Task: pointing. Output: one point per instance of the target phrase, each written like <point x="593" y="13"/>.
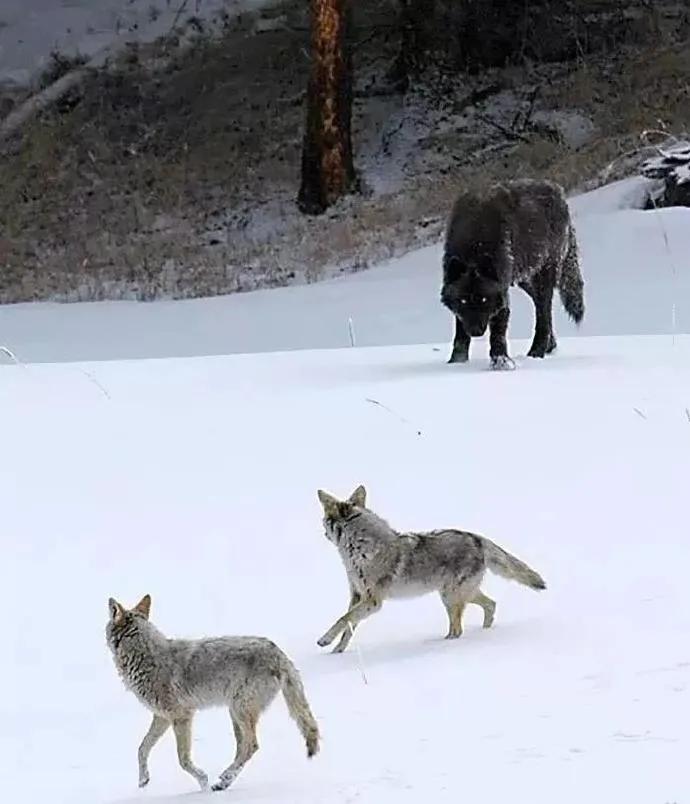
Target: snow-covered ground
<point x="30" y="30"/>
<point x="195" y="479"/>
<point x="635" y="265"/>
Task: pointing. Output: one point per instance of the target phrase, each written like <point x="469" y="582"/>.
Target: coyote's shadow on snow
<point x="363" y="658"/>
<point x="253" y="792"/>
<point x="190" y="797"/>
<point x="268" y="790"/>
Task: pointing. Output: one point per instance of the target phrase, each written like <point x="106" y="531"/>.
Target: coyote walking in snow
<point x="382" y="563"/>
<point x="175" y="677"/>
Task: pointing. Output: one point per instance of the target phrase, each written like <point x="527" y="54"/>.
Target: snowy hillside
<point x="195" y="479"/>
<point x="30" y="30"/>
<point x="635" y="266"/>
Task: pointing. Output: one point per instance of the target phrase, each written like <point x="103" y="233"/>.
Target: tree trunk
<point x="328" y="171"/>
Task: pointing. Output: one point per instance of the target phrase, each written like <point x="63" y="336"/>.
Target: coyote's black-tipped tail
<point x="570" y="281"/>
<point x="298" y="707"/>
<point x="502" y="563"/>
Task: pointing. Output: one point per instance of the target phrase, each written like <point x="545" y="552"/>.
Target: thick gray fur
<point x="516" y="233"/>
<point x="174" y="678"/>
<point x="382" y="563"/>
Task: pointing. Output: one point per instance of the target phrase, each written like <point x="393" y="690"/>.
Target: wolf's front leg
<point x="498" y="344"/>
<point x="365" y="608"/>
<point x="159" y="725"/>
<point x="461" y="344"/>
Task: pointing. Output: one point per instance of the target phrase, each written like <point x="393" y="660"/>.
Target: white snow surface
<point x="634" y="262"/>
<point x="194" y="480"/>
<point x="30" y="30"/>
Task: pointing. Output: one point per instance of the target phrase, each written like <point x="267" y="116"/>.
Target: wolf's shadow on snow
<point x="438" y="368"/>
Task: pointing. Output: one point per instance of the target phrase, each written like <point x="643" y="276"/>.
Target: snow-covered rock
<point x="671" y="167"/>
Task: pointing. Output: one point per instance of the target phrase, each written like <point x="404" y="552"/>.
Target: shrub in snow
<point x="671" y="167"/>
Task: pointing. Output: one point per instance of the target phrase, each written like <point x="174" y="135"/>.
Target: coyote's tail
<point x="570" y="282"/>
<point x="502" y="563"/>
<point x="298" y="706"/>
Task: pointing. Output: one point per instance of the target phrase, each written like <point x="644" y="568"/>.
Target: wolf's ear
<point x="143" y="607"/>
<point x="117" y="612"/>
<point x="359" y="497"/>
<point x="331" y="506"/>
<point x="454" y="267"/>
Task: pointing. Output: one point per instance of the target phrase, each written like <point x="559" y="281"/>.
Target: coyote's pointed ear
<point x="331" y="506"/>
<point x="359" y="497"/>
<point x="143" y="607"/>
<point x="117" y="612"/>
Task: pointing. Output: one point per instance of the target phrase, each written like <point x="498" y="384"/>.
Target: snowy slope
<point x="31" y="29"/>
<point x="185" y="479"/>
<point x="635" y="265"/>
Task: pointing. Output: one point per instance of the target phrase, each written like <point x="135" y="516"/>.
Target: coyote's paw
<point x="325" y="641"/>
<point x="502" y="363"/>
<point x="224" y="781"/>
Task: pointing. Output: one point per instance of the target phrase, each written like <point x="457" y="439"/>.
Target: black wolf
<point x="517" y="233"/>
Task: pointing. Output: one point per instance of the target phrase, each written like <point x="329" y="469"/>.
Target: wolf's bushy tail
<point x="502" y="563"/>
<point x="298" y="706"/>
<point x="570" y="281"/>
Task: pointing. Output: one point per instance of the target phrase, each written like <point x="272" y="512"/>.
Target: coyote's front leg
<point x="355" y="597"/>
<point x="349" y="621"/>
<point x="159" y="725"/>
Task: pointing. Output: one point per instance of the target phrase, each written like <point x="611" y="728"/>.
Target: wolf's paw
<point x="144" y="780"/>
<point x="502" y="363"/>
<point x="539" y="350"/>
<point x="325" y="641"/>
<point x="458" y="357"/>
